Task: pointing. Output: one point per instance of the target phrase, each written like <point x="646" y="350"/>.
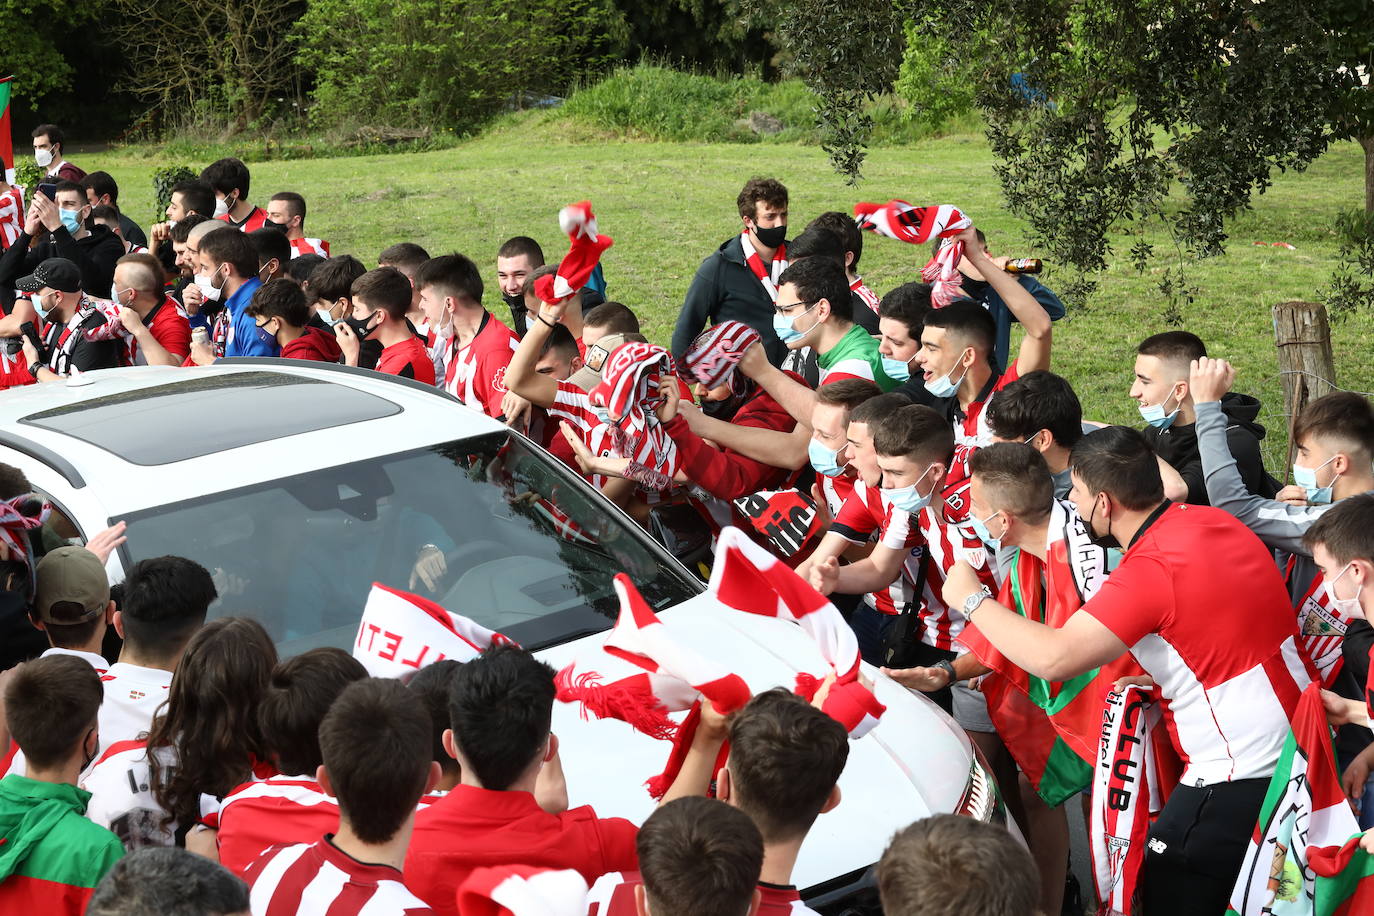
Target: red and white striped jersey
<point x="942" y="545"/>
<point x="869" y="297"/>
<point x="319" y="879"/>
<point x="864" y="517"/>
<point x="971" y="432"/>
<point x="836" y="489"/>
<point x="476" y="373"/>
<point x="11" y="216"/>
<point x="309" y="246"/>
<point x="614" y="895"/>
<point x="1220" y="639"/>
<point x="276" y="811"/>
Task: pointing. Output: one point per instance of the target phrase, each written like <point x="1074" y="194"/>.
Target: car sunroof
<point x="165" y="424"/>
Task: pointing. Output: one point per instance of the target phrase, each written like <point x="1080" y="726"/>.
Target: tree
<point x="33" y="41"/>
<point x="1097" y="110"/>
<point x="224" y="61"/>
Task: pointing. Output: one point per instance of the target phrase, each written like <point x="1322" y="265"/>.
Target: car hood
<point x="914" y="763"/>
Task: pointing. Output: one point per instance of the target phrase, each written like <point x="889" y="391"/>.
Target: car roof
<point x="146" y="436"/>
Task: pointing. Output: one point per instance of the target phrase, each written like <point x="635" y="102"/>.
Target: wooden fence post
<point x="1306" y="366"/>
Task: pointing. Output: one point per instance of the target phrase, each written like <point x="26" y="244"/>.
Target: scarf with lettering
<point x="914" y="225"/>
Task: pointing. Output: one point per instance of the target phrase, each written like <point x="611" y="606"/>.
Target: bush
<point x="653" y="102"/>
<point x="449" y="63"/>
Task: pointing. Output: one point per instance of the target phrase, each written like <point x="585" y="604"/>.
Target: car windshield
<point x="489" y="527"/>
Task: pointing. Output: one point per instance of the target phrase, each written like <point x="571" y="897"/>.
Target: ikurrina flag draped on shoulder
<point x="1304" y="855"/>
<point x="400" y="633"/>
<point x="905" y="222"/>
<point x="643" y="672"/>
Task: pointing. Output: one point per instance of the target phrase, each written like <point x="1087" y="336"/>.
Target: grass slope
<point x="669" y="204"/>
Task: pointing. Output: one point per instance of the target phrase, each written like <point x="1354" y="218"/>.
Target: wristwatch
<point x="947" y="667"/>
<point x="972" y="601"/>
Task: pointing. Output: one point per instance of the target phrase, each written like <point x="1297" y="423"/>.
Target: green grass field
<point x="669" y="204"/>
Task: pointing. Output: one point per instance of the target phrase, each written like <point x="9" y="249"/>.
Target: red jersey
<point x="408" y="359"/>
<point x="320" y="879"/>
<point x="275" y="811"/>
<point x="251" y="223"/>
<point x="727" y="474"/>
<point x="837" y="489"/>
<point x="1219" y="639"/>
<point x="316" y="345"/>
<point x="309" y="246"/>
<point x="474" y="828"/>
<point x="476" y="373"/>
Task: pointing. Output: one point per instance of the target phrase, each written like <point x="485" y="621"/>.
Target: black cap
<point x="54" y="273"/>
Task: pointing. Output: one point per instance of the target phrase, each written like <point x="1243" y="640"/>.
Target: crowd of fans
<point x="941" y="485"/>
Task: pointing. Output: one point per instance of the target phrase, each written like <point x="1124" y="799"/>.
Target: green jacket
<point x="51" y="857"/>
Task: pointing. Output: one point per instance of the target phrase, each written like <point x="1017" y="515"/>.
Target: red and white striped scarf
<point x="641" y="673"/>
<point x="900" y="220"/>
<point x="11" y="216"/>
<point x="748" y="578"/>
<point x="579" y="223"/>
<point x="768" y="276"/>
<point x="635" y="378"/>
<point x="19" y="516"/>
<point x="519" y="890"/>
<point x="401" y="633"/>
<point x="713" y="356"/>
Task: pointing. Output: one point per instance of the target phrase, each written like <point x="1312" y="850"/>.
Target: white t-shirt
<point x="133" y="695"/>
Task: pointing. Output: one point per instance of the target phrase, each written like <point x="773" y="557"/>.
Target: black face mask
<point x="771" y="238"/>
<point x="273" y="224"/>
<point x="361" y="326"/>
<point x="1106" y="541"/>
<point x="518" y="311"/>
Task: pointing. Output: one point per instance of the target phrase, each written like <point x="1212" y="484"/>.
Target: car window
<point x="58" y="531"/>
<point x="527" y="548"/>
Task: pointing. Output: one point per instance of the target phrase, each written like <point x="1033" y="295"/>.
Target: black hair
<point x="102" y="183"/>
<point x="1118" y="461"/>
<point x="271" y="243"/>
<point x="1037" y="400"/>
<point x="196" y="196"/>
<point x="454" y="274"/>
<point x="968" y="321"/>
<point x="821" y="278"/>
<point x="226" y="175"/>
<point x="500" y="708"/>
<point x="165" y="600"/>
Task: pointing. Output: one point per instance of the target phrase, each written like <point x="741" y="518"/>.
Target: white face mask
<point x="221" y="206"/>
<point x="325" y="316"/>
<point x="1347" y="607"/>
<point x="43" y="157"/>
<point x="206" y="282"/>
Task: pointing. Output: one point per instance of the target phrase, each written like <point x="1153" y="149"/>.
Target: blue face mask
<point x="1154" y="415"/>
<point x="942" y="387"/>
<point x="980" y="528"/>
<point x="1307" y="479"/>
<point x="896" y="369"/>
<point x="782" y="326"/>
<point x="71" y="220"/>
<point x="824" y="460"/>
<point x="906" y="498"/>
<point x="39" y="307"/>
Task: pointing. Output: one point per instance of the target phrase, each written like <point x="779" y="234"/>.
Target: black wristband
<point x="545" y="320"/>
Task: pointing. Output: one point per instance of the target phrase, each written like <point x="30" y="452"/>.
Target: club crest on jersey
<point x="498" y="379"/>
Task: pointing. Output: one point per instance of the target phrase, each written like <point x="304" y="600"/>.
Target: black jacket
<point x="725" y="289"/>
<point x="95" y="256"/>
<point x="1178" y="446"/>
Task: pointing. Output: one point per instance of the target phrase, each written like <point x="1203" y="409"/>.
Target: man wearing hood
<point x="51" y="856"/>
<point x="1162" y="389"/>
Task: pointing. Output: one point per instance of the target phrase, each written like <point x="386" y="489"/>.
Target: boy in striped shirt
<point x="376" y="746"/>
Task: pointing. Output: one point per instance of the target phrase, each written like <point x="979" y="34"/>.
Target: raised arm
<point x="521" y="377"/>
<point x="1035" y="321"/>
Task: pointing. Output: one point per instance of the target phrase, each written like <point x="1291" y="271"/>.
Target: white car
<point x="300" y="484"/>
